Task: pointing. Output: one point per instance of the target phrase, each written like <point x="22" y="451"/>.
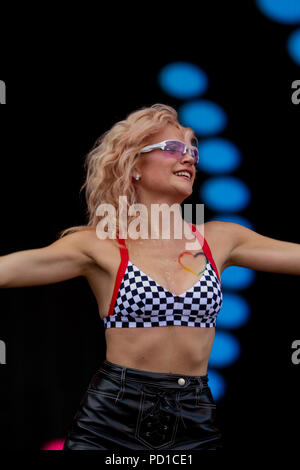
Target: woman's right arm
<point x="64" y="259"/>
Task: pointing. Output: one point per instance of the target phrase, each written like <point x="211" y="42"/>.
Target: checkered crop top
<point x="138" y="301"/>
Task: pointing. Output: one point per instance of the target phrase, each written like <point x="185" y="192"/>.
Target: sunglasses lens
<point x="195" y="154"/>
<point x="174" y="146"/>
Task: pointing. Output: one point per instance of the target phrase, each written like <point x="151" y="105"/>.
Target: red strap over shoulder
<point x="120" y="274"/>
<point x="205" y="248"/>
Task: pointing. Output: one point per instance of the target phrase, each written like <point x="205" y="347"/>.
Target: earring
<point x="137" y="177"/>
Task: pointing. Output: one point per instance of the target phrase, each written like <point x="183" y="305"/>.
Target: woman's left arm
<point x="249" y="249"/>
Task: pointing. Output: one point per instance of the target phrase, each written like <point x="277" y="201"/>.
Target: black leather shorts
<point x="126" y="408"/>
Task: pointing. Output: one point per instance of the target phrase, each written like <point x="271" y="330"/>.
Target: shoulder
<point x="230" y="237"/>
<point x="84" y="235"/>
<point x="78" y="238"/>
<point x="215" y="229"/>
<point x="222" y="238"/>
<point x="230" y="230"/>
<point x="86" y="242"/>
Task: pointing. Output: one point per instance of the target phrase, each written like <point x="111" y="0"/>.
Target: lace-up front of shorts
<point x="127" y="408"/>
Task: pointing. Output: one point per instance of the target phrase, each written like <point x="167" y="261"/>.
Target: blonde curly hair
<point x="110" y="162"/>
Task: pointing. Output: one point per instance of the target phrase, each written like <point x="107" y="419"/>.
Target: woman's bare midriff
<point x="167" y="349"/>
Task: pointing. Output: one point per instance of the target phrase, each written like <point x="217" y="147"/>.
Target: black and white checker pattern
<point x="141" y="302"/>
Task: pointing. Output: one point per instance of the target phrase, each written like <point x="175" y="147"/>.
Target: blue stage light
<point x="293" y="46"/>
<point x="218" y="155"/>
<point x="282" y="11"/>
<point x="225" y="194"/>
<point x="183" y="80"/>
<point x="226" y="350"/>
<point x="237" y="219"/>
<point x="235" y="311"/>
<point x="217" y="384"/>
<point x="236" y="277"/>
<point x="204" y="116"/>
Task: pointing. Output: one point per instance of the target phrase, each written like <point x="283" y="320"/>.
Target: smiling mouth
<point x="184" y="177"/>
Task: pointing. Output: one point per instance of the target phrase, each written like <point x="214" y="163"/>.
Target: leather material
<point x="126" y="408"/>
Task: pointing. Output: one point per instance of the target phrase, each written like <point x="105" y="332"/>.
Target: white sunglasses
<point x="175" y="146"/>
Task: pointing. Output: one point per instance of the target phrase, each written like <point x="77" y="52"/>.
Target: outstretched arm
<point x="249" y="249"/>
<point x="64" y="259"/>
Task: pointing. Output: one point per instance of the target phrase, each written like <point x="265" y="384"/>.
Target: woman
<point x="158" y="300"/>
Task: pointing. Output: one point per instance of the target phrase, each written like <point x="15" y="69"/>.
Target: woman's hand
<point x="64" y="259"/>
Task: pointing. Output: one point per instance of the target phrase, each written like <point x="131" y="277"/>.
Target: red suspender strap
<point x="205" y="248"/>
<point x="120" y="274"/>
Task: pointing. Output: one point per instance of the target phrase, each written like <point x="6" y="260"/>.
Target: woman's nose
<point x="187" y="157"/>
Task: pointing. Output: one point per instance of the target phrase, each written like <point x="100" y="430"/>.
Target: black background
<point x="69" y="79"/>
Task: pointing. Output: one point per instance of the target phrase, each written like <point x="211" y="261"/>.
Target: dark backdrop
<point x="66" y="85"/>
